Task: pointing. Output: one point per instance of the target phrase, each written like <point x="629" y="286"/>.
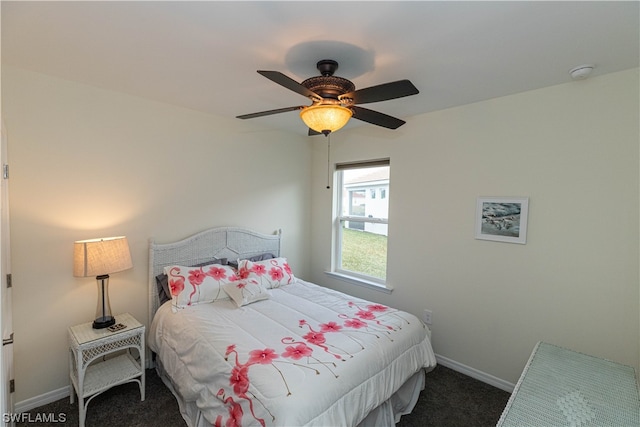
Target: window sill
<point x="360" y="282"/>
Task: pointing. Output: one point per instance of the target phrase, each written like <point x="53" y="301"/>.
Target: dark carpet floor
<point x="450" y="399"/>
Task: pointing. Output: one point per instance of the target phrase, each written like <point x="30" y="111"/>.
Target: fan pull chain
<point x="328" y="161"/>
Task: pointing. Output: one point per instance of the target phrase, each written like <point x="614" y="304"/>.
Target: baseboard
<point x="43" y="399"/>
<point x="474" y="373"/>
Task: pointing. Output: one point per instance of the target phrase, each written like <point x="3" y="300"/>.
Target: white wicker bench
<point x="560" y="387"/>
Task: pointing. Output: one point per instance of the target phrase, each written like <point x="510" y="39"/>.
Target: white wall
<point x="573" y="149"/>
<point x="91" y="163"/>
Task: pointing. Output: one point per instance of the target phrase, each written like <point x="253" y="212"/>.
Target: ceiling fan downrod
<point x="327" y="67"/>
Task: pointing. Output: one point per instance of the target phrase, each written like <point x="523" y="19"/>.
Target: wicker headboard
<point x="222" y="242"/>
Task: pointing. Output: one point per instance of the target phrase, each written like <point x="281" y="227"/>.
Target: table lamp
<point x="100" y="257"/>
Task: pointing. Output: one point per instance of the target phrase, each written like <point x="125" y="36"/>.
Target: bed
<point x="253" y="344"/>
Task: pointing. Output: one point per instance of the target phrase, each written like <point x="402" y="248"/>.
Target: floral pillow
<point x="246" y="291"/>
<point x="271" y="273"/>
<point x="162" y="281"/>
<point x="197" y="285"/>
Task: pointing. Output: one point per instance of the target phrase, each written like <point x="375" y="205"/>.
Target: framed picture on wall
<point x="502" y="219"/>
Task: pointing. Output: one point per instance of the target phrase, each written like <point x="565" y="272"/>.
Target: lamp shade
<point x="325" y="117"/>
<point x="98" y="257"/>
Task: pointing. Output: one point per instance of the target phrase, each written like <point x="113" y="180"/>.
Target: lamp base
<point x="103" y="322"/>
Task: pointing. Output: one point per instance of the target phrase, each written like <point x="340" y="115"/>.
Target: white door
<point x="6" y="323"/>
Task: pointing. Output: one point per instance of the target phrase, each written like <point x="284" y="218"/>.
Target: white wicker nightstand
<point x="100" y="359"/>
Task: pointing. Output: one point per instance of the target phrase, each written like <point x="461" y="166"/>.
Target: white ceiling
<point x="204" y="55"/>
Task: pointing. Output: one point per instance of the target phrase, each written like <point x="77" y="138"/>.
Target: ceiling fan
<point x="335" y="100"/>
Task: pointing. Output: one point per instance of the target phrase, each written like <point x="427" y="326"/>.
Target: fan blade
<point x="376" y="118"/>
<point x="269" y="112"/>
<point x="381" y="92"/>
<point x="313" y="132"/>
<point x="289" y="83"/>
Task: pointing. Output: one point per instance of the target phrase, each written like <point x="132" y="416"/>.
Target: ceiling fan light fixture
<point x="322" y="118"/>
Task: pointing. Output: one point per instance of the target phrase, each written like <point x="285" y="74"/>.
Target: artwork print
<point x="502" y="219"/>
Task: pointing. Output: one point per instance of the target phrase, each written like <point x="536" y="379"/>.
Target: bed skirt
<point x="387" y="414"/>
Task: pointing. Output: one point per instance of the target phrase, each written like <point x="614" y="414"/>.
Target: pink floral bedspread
<point x="306" y="356"/>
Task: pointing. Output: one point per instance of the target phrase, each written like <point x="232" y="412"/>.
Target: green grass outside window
<point x="364" y="253"/>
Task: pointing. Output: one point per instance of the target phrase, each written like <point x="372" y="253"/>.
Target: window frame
<point x="337" y="271"/>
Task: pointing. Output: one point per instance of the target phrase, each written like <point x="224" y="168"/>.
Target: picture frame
<point x="502" y="219"/>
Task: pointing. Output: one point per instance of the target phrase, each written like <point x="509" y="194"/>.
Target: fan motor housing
<point x="329" y="86"/>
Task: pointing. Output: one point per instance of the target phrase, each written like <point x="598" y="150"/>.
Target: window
<point x="361" y="222"/>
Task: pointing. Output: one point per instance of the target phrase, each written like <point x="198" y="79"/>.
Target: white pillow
<point x="246" y="291"/>
<point x="272" y="273"/>
<point x="197" y="285"/>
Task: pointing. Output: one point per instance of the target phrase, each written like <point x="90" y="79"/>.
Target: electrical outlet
<point x="426" y="316"/>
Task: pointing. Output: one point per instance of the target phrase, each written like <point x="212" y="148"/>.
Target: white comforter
<point x="306" y="356"/>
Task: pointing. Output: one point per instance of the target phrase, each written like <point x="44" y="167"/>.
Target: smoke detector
<point x="581" y="72"/>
